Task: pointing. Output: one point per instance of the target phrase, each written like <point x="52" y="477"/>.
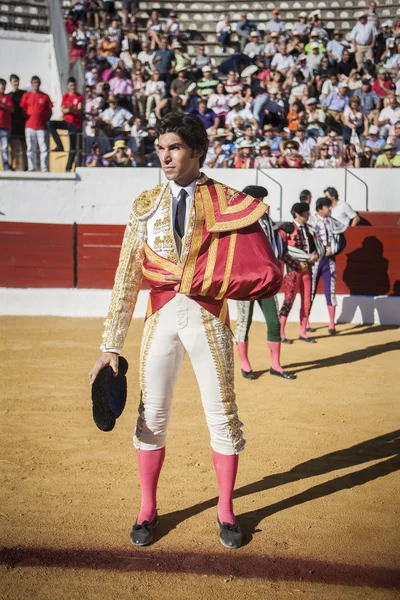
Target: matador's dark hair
<point x="189" y="127"/>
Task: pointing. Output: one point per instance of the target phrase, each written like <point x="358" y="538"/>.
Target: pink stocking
<point x="150" y="463"/>
<point x="275" y="350"/>
<point x="331" y="311"/>
<point x="242" y="348"/>
<point x="303" y="327"/>
<point x="283" y="327"/>
<point x="225" y="466"/>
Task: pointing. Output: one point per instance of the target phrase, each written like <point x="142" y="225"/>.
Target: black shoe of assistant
<point x="284" y="374"/>
<point x="231" y="536"/>
<point x="286" y="341"/>
<point x="332" y="331"/>
<point x="309" y="340"/>
<point x="248" y="374"/>
<point x="142" y="534"/>
<point x="310" y="330"/>
<point x="57" y="149"/>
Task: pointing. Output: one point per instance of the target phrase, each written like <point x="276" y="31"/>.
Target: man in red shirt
<point x="38" y="109"/>
<point x="6" y="108"/>
<point x="71" y="107"/>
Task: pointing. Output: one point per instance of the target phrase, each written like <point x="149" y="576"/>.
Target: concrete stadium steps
<point x="29" y="15"/>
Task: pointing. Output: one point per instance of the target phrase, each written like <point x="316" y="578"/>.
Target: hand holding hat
<point x="109" y="390"/>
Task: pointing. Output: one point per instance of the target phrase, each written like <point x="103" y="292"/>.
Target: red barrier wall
<point x="41" y="255"/>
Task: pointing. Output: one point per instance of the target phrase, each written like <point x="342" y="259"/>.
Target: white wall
<point x="106" y="195"/>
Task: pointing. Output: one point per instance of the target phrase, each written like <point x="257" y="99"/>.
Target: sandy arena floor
<point x="317" y="490"/>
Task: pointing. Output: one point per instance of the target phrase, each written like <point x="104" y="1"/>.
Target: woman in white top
<point x="265" y="160"/>
<point x="224" y="31"/>
<point x="153" y="29"/>
<point x="218" y="103"/>
<point x="355" y="121"/>
<point x="155" y="92"/>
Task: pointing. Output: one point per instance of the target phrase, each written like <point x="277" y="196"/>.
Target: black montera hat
<point x="257" y="191"/>
<point x="323" y="201"/>
<point x="109" y="395"/>
<point x="300" y="207"/>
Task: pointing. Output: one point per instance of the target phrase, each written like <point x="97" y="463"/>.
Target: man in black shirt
<point x="17" y="149"/>
<point x="347" y="64"/>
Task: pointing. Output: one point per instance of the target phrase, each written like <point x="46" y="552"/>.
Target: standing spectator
<point x="388" y="159"/>
<point x="389" y="116"/>
<point x="374" y="142"/>
<point x="38" y="109"/>
<point x="243" y="29"/>
<point x="6" y="109"/>
<point x="18" y="143"/>
<point x="355" y="122"/>
<point x="341" y="210"/>
<point x="224" y="31"/>
<point x="200" y="61"/>
<point x="164" y="61"/>
<point x="275" y="24"/>
<point x="336" y="46"/>
<point x="363" y="38"/>
<point x="71" y="107"/>
<point x="155" y="92"/>
<point x="373" y="17"/>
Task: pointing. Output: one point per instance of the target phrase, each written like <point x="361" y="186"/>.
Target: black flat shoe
<point x="142" y="535"/>
<point x="308" y="340"/>
<point x="284" y="374"/>
<point x="286" y="341"/>
<point x="332" y="331"/>
<point x="57" y="149"/>
<point x="310" y="330"/>
<point x="248" y="374"/>
<point x="230" y="536"/>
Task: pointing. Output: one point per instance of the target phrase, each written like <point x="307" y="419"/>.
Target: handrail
<point x="280" y="190"/>
<point x="359" y="179"/>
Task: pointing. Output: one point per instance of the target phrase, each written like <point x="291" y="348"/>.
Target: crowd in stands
<point x="295" y="97"/>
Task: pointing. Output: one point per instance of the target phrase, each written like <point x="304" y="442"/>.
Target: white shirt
<point x="282" y="62"/>
<point x="343" y="212"/>
<point x="175" y="191"/>
<point x="305" y="147"/>
<point x="117" y="116"/>
<point x="363" y="34"/>
<point x="390" y="113"/>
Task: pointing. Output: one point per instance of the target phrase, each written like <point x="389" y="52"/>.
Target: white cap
<point x="342" y="85"/>
<point x="388" y="23"/>
<point x="234" y="101"/>
<point x="374" y="129"/>
<point x="311" y="101"/>
<point x="303" y="14"/>
<point x="250" y="70"/>
<point x="314" y="45"/>
<point x="206" y="69"/>
<point x="302" y="57"/>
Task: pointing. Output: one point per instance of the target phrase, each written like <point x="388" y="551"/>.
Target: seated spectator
<point x="92" y="77"/>
<point x="146" y="56"/>
<point x="271" y="48"/>
<point x="244" y="158"/>
<point x="314" y="119"/>
<point x="182" y="59"/>
<point x="306" y="144"/>
<point x="113" y="120"/>
<point x="79" y="41"/>
<point x="367" y="159"/>
<point x="335" y="105"/>
<point x="310" y="46"/>
<point x="388" y="159"/>
<point x="355" y="122"/>
<point x="78" y="11"/>
<point x="324" y="161"/>
<point x="154" y="92"/>
<point x="276" y="24"/>
<point x="179" y="86"/>
<point x="121" y="84"/>
<point x="108" y="11"/>
<point x="313" y="59"/>
<point x="331" y="141"/>
<point x="243" y="29"/>
<point x="93" y="11"/>
<point x="206" y="115"/>
<point x="95" y="158"/>
<point x="301" y="25"/>
<point x="172" y="27"/>
<point x="395" y="138"/>
<point x="120" y="156"/>
<point x="294" y="117"/>
<point x="115" y="30"/>
<point x="218" y="102"/>
<point x="347" y="64"/>
<point x="351" y="159"/>
<point x="329" y="86"/>
<point x="391" y="58"/>
<point x="295" y="46"/>
<point x="290" y="158"/>
<point x="139" y="137"/>
<point x="248" y="135"/>
<point x="283" y="61"/>
<point x="317" y="27"/>
<point x="370" y="101"/>
<point x="154" y="30"/>
<point x="265" y="159"/>
<point x="374" y="142"/>
<point x="336" y="46"/>
<point x="200" y="61"/>
<point x="216" y="157"/>
<point x="224" y="31"/>
<point x="382" y="84"/>
<point x="389" y="116"/>
<point x="139" y="98"/>
<point x="109" y="48"/>
<point x="164" y="61"/>
<point x="208" y="83"/>
<point x="129" y="10"/>
<point x="255" y="46"/>
<point x="233" y="85"/>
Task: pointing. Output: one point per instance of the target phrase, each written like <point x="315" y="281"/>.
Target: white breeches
<point x="180" y="326"/>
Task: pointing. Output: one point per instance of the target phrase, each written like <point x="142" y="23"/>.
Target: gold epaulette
<point x="144" y="203"/>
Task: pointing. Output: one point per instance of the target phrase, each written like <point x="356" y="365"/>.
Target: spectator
<point x="172" y="27"/>
<point x="120" y="84"/>
<point x="391" y="58"/>
<point x="79" y="42"/>
<point x="264" y="158"/>
<point x="154" y="29"/>
<point x="254" y="47"/>
<point x="78" y="10"/>
<point x="164" y="61"/>
<point x="200" y="61"/>
<point x="224" y="31"/>
<point x="363" y="38"/>
<point x="179" y="86"/>
<point x="388" y="159"/>
<point x="206" y="115"/>
<point x="18" y="143"/>
<point x="314" y="39"/>
<point x="295" y="46"/>
<point x="139" y="98"/>
<point x="108" y="11"/>
<point x="317" y="27"/>
<point x="301" y="25"/>
<point x="271" y="48"/>
<point x="146" y="56"/>
<point x="207" y="84"/>
<point x="395" y="138"/>
<point x="336" y="46"/>
<point x="71" y="108"/>
<point x="216" y="157"/>
<point x="93" y="14"/>
<point x="336" y="104"/>
<point x="350" y="157"/>
<point x="6" y="110"/>
<point x="341" y="210"/>
<point x="95" y="159"/>
<point x="109" y="48"/>
<point x="306" y="145"/>
<point x="182" y="59"/>
<point x="305" y="196"/>
<point x="218" y="102"/>
<point x="38" y="109"/>
<point x="331" y="141"/>
<point x="382" y="84"/>
<point x="290" y="158"/>
<point x="367" y="159"/>
<point x="275" y="24"/>
<point x="314" y="118"/>
<point x="389" y="116"/>
<point x="324" y="161"/>
<point x="374" y="142"/>
<point x="155" y="92"/>
<point x="233" y="85"/>
<point x="347" y="64"/>
<point x="243" y="29"/>
<point x="373" y="18"/>
<point x="129" y="10"/>
<point x="114" y="119"/>
<point x="294" y="117"/>
<point x="370" y="101"/>
<point x="244" y="158"/>
<point x="139" y="136"/>
<point x="120" y="155"/>
<point x="355" y="122"/>
<point x="283" y="61"/>
<point x="313" y="59"/>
